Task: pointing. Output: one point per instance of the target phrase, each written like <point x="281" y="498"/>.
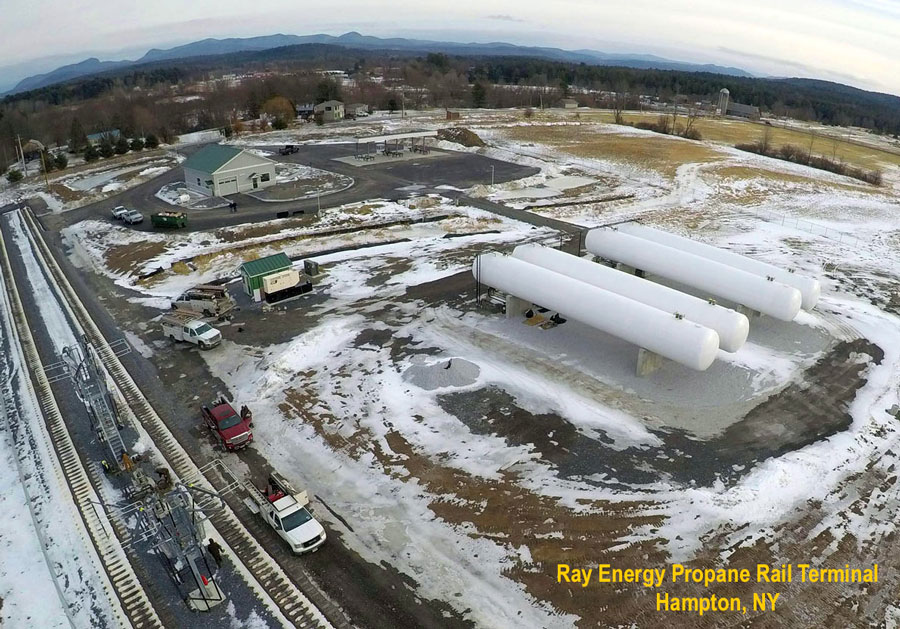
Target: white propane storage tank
<point x="768" y="297"/>
<point x="808" y="287"/>
<point x="680" y="340"/>
<point x="732" y="327"/>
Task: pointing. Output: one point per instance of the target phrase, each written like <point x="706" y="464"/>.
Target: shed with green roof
<point x="253" y="273"/>
<point x="218" y="170"/>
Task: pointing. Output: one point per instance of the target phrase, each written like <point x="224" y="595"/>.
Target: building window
<point x="198" y="181"/>
<point x="264" y="177"/>
<point x="208" y="182"/>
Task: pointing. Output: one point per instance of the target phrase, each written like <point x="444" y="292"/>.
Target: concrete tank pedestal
<point x="516" y="307"/>
<point x="647" y="362"/>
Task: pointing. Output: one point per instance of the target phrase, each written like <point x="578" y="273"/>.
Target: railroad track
<point x="133" y="608"/>
<point x="293" y="603"/>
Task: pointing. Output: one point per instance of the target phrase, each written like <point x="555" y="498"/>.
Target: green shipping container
<point x="169" y="219"/>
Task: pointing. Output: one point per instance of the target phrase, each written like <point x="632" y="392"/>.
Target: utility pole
<point x="22" y="153"/>
<point x="492" y="174"/>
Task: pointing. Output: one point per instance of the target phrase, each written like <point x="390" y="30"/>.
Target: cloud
<point x="794" y="66"/>
<point x="505" y="18"/>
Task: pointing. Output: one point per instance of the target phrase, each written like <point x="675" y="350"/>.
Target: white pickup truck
<point x="212" y="301"/>
<point x="286" y="511"/>
<point x="185" y="327"/>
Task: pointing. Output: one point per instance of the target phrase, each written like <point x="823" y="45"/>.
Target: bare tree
<point x="765" y="142"/>
<point x="689" y="130"/>
<point x="618" y="104"/>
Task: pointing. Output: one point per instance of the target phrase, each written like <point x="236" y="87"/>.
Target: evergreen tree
<point x="47" y="162"/>
<point x="91" y="154"/>
<point x="479" y="94"/>
<point x="77" y="137"/>
<point x="137" y="144"/>
<point x="61" y="161"/>
<point x="151" y="141"/>
<point x="105" y="148"/>
<point x="122" y="145"/>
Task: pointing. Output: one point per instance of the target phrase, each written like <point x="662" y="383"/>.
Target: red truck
<point x="232" y="428"/>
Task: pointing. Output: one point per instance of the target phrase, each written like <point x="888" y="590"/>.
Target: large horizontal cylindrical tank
<point x="732" y="327"/>
<point x="768" y="297"/>
<point x="808" y="287"/>
<point x="683" y="341"/>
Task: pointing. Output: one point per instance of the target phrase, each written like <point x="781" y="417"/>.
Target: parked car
<point x="232" y="429"/>
<point x="119" y="212"/>
<point x="133" y="217"/>
<point x="288" y="149"/>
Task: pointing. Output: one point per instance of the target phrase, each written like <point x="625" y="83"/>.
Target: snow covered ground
<point x="50" y="575"/>
<point x="90" y="184"/>
<point x="422" y="480"/>
<point x="93" y="244"/>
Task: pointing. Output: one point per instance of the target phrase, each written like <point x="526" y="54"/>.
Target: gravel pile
<point x="454" y="372"/>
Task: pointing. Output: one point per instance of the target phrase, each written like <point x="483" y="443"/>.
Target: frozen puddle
<point x="454" y="372"/>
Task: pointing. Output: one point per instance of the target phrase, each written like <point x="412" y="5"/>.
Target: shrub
<point x="122" y="145"/>
<point x="137" y="144"/>
<point x="61" y="161"/>
<point x="151" y="141"/>
<point x="47" y="163"/>
<point x="14" y="176"/>
<point x="279" y="123"/>
<point x="797" y="155"/>
<point x="91" y="154"/>
<point x="105" y="148"/>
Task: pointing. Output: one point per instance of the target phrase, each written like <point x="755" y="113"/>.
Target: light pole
<point x="492" y="174"/>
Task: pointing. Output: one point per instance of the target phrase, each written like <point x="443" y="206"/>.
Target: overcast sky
<point x="850" y="41"/>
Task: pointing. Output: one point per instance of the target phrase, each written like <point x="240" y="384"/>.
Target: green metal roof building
<point x="220" y="170"/>
<point x="253" y="272"/>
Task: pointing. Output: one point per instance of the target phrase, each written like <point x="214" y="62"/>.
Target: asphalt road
<point x="390" y="181"/>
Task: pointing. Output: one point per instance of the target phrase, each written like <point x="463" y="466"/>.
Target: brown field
<point x="662" y="154"/>
<point x="733" y="132"/>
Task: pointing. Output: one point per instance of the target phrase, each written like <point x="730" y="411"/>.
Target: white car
<point x="133" y="217"/>
<point x="119" y="212"/>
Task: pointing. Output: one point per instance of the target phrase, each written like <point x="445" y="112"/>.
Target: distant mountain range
<point x="207" y="47"/>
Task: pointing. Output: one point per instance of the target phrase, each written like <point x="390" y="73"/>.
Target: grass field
<point x="662" y="154"/>
<point x="733" y="132"/>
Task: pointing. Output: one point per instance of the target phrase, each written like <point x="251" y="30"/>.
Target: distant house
<point x="305" y="111"/>
<point x="744" y="111"/>
<point x="218" y="170"/>
<point x="569" y="103"/>
<point x="329" y="111"/>
<point x="356" y="110"/>
<point x="112" y="134"/>
<point x="452" y="115"/>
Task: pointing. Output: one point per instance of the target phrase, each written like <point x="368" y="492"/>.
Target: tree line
<point x="168" y="98"/>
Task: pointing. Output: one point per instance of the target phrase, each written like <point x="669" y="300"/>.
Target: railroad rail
<point x="292" y="603"/>
<point x="133" y="608"/>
